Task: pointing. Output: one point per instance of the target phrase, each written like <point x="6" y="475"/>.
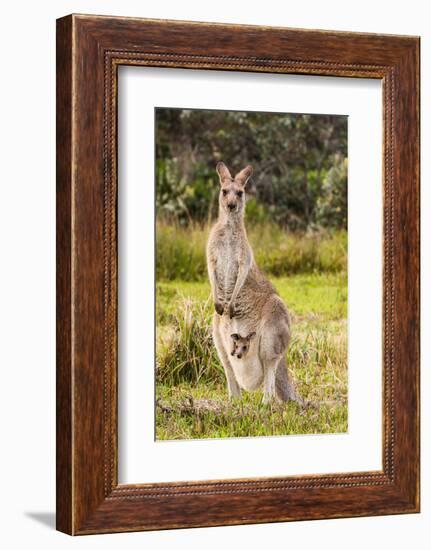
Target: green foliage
<point x="256" y="213"/>
<point x="181" y="251"/>
<point x="331" y="208"/>
<point x="297" y="178"/>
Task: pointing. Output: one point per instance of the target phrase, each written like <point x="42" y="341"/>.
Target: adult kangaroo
<point x="245" y="301"/>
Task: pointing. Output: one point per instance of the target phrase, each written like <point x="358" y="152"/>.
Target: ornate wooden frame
<point x="89" y="51"/>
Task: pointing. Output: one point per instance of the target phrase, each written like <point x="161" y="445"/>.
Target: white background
<point x="27" y="405"/>
<point x="141" y="458"/>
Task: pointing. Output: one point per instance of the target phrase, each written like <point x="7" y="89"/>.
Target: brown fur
<point x="245" y="301"/>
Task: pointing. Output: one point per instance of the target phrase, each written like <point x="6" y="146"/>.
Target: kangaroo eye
<point x="239" y="193"/>
<point x="224" y="192"/>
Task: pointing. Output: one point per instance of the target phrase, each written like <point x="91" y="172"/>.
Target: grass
<point x="190" y="383"/>
<point x="189" y="412"/>
<point x="181" y="251"/>
<point x="323" y="296"/>
<point x="185" y="351"/>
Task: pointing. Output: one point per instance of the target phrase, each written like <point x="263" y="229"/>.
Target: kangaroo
<point x="241" y="344"/>
<point x="245" y="301"/>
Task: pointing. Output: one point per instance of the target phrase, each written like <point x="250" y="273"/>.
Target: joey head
<point x="240" y="345"/>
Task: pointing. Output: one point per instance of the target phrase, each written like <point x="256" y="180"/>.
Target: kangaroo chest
<point x="228" y="253"/>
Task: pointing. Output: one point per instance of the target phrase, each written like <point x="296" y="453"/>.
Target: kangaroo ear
<point x="243" y="176"/>
<point x="235" y="336"/>
<point x="251" y="335"/>
<point x="223" y="171"/>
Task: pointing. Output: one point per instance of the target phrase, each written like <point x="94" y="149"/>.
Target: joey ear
<point x="222" y="171"/>
<point x="235" y="336"/>
<point x="251" y="335"/>
<point x="243" y="176"/>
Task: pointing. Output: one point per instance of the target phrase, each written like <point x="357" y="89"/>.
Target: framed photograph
<point x="237" y="274"/>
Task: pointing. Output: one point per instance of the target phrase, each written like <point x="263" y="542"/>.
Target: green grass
<point x="189" y="412"/>
<point x="190" y="383"/>
<point x="323" y="296"/>
<point x="181" y="251"/>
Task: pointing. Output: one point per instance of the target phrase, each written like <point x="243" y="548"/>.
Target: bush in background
<point x="296" y="158"/>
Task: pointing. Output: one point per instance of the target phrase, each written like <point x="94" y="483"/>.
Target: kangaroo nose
<point x="231" y="206"/>
<point x="239" y="356"/>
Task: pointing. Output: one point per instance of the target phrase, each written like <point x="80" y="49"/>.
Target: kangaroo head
<point x="241" y="345"/>
<point x="232" y="190"/>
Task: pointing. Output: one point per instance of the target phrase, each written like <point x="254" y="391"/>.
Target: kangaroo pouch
<point x="248" y="370"/>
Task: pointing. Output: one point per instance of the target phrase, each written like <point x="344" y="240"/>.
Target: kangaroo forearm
<point x="240" y="280"/>
<point x="213" y="281"/>
<point x="219" y="307"/>
<point x="243" y="269"/>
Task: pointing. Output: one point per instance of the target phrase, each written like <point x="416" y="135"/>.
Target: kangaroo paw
<point x="267" y="399"/>
<point x="219" y="308"/>
<point x="232" y="311"/>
